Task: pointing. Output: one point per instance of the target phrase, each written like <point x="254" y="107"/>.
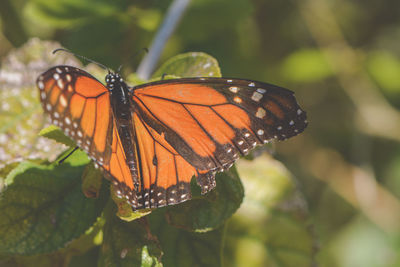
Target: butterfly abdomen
<point x="122" y="113"/>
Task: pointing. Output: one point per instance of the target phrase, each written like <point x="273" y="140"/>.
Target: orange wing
<point x="211" y="121"/>
<point x="165" y="175"/>
<point x="117" y="170"/>
<point x="80" y="105"/>
<point x="197" y="126"/>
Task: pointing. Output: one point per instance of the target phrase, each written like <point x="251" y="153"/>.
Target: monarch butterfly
<point x="151" y="139"/>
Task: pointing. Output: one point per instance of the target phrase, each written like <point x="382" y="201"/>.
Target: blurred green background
<point x="342" y="59"/>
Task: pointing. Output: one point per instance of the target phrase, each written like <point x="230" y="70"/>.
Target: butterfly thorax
<point x="122" y="113"/>
<point x="119" y="97"/>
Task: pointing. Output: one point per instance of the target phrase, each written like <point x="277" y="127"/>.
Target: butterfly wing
<point x="80" y="105"/>
<point x="197" y="126"/>
<point x="164" y="174"/>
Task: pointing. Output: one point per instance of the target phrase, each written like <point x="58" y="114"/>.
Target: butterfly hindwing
<point x="165" y="175"/>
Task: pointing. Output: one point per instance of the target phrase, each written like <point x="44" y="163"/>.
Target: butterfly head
<point x="113" y="79"/>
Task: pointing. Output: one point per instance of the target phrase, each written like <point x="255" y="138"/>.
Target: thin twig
<point x="173" y="16"/>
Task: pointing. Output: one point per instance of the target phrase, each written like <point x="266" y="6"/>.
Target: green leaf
<point x="55" y="133"/>
<point x="384" y="67"/>
<point x="5" y="171"/>
<point x="125" y="211"/>
<point x="193" y="64"/>
<point x="85" y="260"/>
<point x="92" y="180"/>
<point x="127" y="243"/>
<point x="48" y="260"/>
<point x="148" y="19"/>
<point x="205" y="213"/>
<point x="183" y="248"/>
<point x="271" y="228"/>
<point x="68" y="13"/>
<point x="306" y="65"/>
<point x="44" y="208"/>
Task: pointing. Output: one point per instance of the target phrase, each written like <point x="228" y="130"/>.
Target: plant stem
<point x="173" y="16"/>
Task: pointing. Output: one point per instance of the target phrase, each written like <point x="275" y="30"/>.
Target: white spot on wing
<point x="41" y="85"/>
<point x="260" y="113"/>
<point x="233" y="89"/>
<point x="260" y="132"/>
<point x="256" y="96"/>
<point x="63" y="100"/>
<point x="60" y="83"/>
<point x="261" y="90"/>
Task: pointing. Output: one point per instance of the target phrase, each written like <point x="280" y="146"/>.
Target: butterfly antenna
<point x="82" y="57"/>
<point x="144" y="49"/>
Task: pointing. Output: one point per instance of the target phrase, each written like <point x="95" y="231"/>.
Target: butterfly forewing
<point x="80" y="106"/>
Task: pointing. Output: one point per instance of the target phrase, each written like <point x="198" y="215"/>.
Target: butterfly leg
<point x="67" y="156"/>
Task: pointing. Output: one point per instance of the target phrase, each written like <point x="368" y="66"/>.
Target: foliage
<point x="339" y="208"/>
